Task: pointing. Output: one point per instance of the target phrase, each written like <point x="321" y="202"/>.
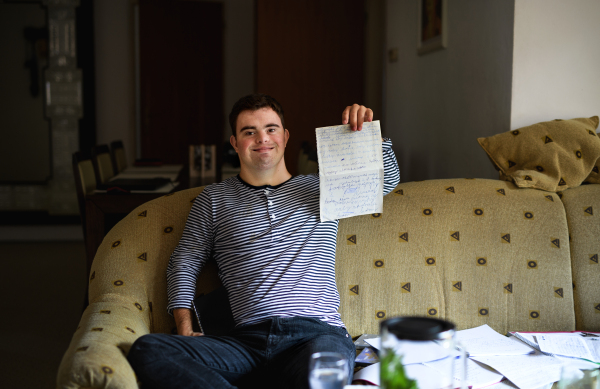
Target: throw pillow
<point x="551" y="156"/>
<point x="594" y="177"/>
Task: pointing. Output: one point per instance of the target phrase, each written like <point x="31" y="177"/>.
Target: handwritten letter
<point x="350" y="171"/>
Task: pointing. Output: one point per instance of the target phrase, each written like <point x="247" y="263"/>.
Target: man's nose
<point x="263" y="137"/>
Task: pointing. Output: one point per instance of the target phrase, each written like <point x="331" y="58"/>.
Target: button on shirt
<point x="275" y="257"/>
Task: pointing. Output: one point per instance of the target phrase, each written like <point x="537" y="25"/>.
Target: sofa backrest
<point x="582" y="205"/>
<point x="472" y="251"/>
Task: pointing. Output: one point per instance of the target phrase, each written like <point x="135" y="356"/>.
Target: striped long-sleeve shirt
<point x="275" y="257"/>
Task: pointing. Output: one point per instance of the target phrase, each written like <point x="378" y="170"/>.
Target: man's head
<point x="254" y="102"/>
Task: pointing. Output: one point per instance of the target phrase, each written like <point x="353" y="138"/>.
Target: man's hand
<point x="356" y="115"/>
<point x="183" y="320"/>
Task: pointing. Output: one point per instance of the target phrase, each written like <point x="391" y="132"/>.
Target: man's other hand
<point x="356" y="115"/>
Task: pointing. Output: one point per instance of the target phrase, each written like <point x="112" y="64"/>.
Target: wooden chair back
<point x="103" y="166"/>
<point x="119" y="158"/>
<point x="85" y="182"/>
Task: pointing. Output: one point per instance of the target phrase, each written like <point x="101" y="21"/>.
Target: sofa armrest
<point x="96" y="357"/>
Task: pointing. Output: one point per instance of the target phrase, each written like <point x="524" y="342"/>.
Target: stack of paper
<point x="423" y="361"/>
<point x="492" y="357"/>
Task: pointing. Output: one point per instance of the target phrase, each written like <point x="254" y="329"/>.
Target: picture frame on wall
<point x="432" y="26"/>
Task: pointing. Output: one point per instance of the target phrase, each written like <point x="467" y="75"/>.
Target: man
<point x="276" y="261"/>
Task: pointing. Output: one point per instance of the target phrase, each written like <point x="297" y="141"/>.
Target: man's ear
<point x="233" y="142"/>
<point x="287" y="136"/>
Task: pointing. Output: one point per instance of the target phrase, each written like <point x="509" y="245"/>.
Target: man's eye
<point x="272" y="129"/>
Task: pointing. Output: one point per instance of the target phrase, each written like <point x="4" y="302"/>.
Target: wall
<point x="24" y="129"/>
<point x="239" y="54"/>
<point x="114" y="65"/>
<point x="438" y="104"/>
<point x="556" y="61"/>
<point x="374" y="56"/>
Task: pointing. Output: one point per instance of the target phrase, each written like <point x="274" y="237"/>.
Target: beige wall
<point x="438" y="104"/>
<point x="556" y="60"/>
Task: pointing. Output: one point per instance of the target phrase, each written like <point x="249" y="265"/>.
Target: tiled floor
<point x="43" y="285"/>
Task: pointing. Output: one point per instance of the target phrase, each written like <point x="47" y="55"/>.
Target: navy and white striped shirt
<point x="275" y="257"/>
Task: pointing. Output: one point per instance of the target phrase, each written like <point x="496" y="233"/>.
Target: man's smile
<point x="264" y="149"/>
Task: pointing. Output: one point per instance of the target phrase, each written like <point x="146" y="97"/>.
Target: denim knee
<point x="144" y="347"/>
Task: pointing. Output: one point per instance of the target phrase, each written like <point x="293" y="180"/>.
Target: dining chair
<point x="85" y="182"/>
<point x="117" y="153"/>
<point x="103" y="166"/>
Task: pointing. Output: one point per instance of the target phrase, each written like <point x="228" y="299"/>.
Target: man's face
<point x="260" y="139"/>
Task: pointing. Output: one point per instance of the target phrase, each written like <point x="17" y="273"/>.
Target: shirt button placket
<point x="270" y="212"/>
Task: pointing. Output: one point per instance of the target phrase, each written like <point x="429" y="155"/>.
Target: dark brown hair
<point x="254" y="102"/>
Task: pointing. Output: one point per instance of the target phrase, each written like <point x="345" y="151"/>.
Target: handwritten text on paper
<point x="350" y="170"/>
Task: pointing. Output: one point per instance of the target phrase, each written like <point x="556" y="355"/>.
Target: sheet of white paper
<point x="526" y="371"/>
<point x="375" y="342"/>
<point x="369" y="374"/>
<point x="529" y="337"/>
<point x="414" y="352"/>
<point x="426" y="377"/>
<point x="578" y="363"/>
<point x="593" y="345"/>
<point x="506" y="384"/>
<point x="478" y="375"/>
<point x="350" y="171"/>
<point x="483" y="340"/>
<point x="570" y="346"/>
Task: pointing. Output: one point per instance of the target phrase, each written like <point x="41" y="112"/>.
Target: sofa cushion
<point x="582" y="206"/>
<point x="551" y="156"/>
<point x="472" y="251"/>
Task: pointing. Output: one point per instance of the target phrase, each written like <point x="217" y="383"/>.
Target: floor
<point x="44" y="285"/>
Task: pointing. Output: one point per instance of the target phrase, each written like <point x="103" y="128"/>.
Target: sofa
<point x="472" y="251"/>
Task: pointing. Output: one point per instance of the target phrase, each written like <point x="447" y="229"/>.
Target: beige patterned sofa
<point x="473" y="251"/>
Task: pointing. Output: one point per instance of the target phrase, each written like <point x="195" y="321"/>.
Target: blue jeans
<point x="273" y="353"/>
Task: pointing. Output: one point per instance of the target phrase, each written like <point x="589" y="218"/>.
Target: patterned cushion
<point x="551" y="156"/>
<point x="594" y="177"/>
<point x="582" y="205"/>
<point x="470" y="251"/>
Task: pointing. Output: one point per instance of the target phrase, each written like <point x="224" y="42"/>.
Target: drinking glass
<point x="328" y="370"/>
<point x="407" y="342"/>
